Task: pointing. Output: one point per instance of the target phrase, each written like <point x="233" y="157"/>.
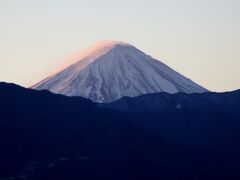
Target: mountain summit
<point x="110" y="70"/>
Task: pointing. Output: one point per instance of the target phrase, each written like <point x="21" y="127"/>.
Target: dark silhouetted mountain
<point x="230" y="102"/>
<point x="207" y="119"/>
<point x="155" y="136"/>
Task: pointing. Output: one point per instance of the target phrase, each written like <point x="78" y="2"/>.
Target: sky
<point x="199" y="39"/>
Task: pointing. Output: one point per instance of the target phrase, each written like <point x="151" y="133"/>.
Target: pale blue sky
<point x="198" y="38"/>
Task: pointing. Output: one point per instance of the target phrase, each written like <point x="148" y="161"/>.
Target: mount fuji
<point x="111" y="70"/>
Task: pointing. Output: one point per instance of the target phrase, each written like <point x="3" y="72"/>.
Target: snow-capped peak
<point x="110" y="70"/>
<point x="95" y="51"/>
<point x="100" y="48"/>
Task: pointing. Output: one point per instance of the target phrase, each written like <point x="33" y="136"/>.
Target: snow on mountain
<point x="111" y="70"/>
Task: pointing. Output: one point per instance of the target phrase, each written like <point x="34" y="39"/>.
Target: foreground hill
<point x="155" y="136"/>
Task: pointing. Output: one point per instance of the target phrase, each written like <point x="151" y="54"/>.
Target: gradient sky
<point x="200" y="39"/>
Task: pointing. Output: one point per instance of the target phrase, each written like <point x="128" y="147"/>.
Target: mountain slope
<point x="112" y="70"/>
